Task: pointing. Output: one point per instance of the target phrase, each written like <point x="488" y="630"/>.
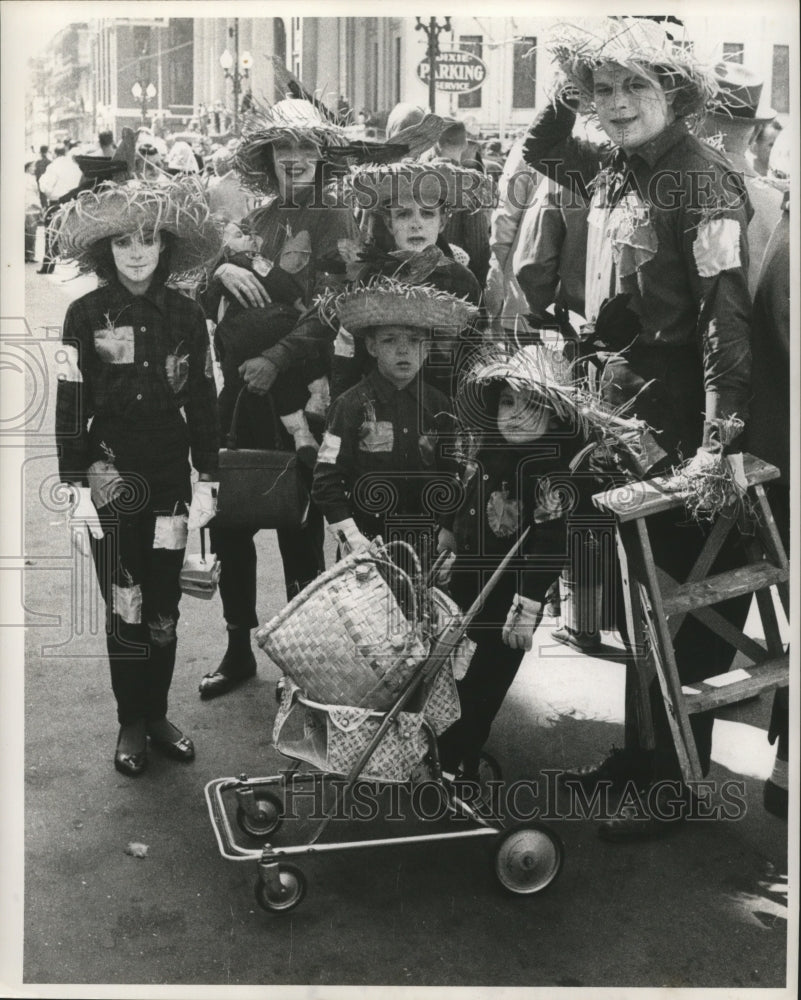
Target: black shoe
<point x="639" y="822"/>
<point x="230" y="674"/>
<point x="619" y="768"/>
<point x="130" y="764"/>
<point x="180" y="747"/>
<point x="775" y="799"/>
<point x="47" y="269"/>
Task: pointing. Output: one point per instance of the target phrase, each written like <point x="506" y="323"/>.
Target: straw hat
<point x="385" y="301"/>
<point x="291" y="119"/>
<point x="640" y="45"/>
<point x="740" y="96"/>
<point x="178" y="207"/>
<point x="375" y="187"/>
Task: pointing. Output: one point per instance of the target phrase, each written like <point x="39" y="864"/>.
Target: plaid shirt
<point x="383" y="451"/>
<point x="133" y="362"/>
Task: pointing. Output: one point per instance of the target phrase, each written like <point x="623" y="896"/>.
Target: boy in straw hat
<point x="383" y="442"/>
<point x="136" y="358"/>
<point x="666" y="282"/>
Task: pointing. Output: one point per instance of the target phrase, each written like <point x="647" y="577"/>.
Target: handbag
<point x="259" y="487"/>
<point x="200" y="574"/>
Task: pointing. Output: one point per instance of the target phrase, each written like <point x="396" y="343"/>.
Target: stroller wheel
<point x="528" y="859"/>
<point x="270" y="814"/>
<point x="283" y="897"/>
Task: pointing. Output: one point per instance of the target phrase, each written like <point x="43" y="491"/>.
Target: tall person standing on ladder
<point x="666" y="300"/>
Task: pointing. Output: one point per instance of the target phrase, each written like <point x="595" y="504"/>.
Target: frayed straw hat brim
<point x="179" y="208"/>
<point x="438" y="182"/>
<point x="384" y="301"/>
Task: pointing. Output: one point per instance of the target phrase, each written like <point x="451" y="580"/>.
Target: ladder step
<point x="761" y="677"/>
<point x="722" y="586"/>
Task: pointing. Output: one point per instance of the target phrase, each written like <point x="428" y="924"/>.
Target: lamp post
<point x="432" y="30"/>
<point x="144" y="92"/>
<point x="236" y="69"/>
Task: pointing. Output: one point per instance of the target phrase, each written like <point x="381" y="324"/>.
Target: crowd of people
<point x="410" y="321"/>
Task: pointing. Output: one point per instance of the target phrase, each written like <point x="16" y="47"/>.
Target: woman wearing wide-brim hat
<point x="285" y="158"/>
<point x="134" y="403"/>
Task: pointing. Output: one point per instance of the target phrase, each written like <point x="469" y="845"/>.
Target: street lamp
<point x="236" y="69"/>
<point x="144" y="92"/>
<point x="432" y="30"/>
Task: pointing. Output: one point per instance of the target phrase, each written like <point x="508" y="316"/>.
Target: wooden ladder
<point x="656" y="605"/>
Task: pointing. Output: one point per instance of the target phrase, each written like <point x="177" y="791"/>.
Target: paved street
<point x="705" y="907"/>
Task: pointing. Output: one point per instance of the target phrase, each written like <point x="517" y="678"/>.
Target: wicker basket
<point x="333" y="737"/>
<point x="345" y="640"/>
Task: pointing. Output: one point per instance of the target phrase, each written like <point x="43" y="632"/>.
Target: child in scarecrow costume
<point x="386" y="438"/>
<point x="404" y="208"/>
<point x="273" y="343"/>
<point x="524" y="422"/>
<point x="136" y="356"/>
<point x="666" y="295"/>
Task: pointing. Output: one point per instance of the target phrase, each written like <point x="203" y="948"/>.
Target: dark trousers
<point x="138" y="563"/>
<point x="301" y="554"/>
<point x="481" y="693"/>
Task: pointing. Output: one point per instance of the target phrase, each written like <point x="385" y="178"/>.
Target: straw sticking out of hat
<point x="178" y="208"/>
<point x="374" y="187"/>
<point x="385" y="301"/>
<point x="641" y="46"/>
<point x="289" y="120"/>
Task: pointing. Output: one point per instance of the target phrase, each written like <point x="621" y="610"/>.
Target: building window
<point x="374" y="99"/>
<point x="396" y="97"/>
<point x="178" y="66"/>
<point x="733" y="52"/>
<point x="279" y="39"/>
<point x="524" y="73"/>
<point x="474" y="44"/>
<point x="780" y="79"/>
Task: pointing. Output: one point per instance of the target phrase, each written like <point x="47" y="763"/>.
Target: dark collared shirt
<point x="670" y="229"/>
<point x="383" y="451"/>
<point x="134" y="362"/>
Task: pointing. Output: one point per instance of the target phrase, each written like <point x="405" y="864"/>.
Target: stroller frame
<point x="528" y="857"/>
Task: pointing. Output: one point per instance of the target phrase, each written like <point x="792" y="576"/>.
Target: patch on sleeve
<point x="329" y="449"/>
<point x="67" y="368"/>
<point x="344" y="346"/>
<point x="171" y="532"/>
<point x="717" y="247"/>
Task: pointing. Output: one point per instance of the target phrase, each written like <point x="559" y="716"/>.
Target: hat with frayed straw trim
<point x="639" y="45"/>
<point x="289" y="120"/>
<point x="178" y="207"/>
<point x="385" y="301"/>
<point x="378" y="187"/>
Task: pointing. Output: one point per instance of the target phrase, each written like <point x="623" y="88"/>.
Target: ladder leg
<point x="666" y="667"/>
<point x="639" y="725"/>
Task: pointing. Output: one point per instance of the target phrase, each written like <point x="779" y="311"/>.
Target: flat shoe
<point x="220" y="682"/>
<point x="182" y="749"/>
<point x="130" y="764"/>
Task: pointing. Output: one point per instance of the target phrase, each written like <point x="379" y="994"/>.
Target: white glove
<point x="446" y="542"/>
<point x="203" y="506"/>
<point x="701" y="462"/>
<point x="348" y="535"/>
<point x="83" y="513"/>
<point x="524" y="616"/>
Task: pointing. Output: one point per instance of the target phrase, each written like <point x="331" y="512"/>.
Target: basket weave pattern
<point x="344" y="639"/>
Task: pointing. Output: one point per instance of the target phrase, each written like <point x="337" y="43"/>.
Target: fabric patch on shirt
<point x="67" y="369"/>
<point x="177" y="368"/>
<point x="296" y="252"/>
<point x="126" y="602"/>
<point x="633" y="237"/>
<point x="503" y="514"/>
<point x="115" y="344"/>
<point x="171" y="532"/>
<point x="329" y="449"/>
<point x="344" y="346"/>
<point x="717" y="247"/>
<point x="376" y="435"/>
